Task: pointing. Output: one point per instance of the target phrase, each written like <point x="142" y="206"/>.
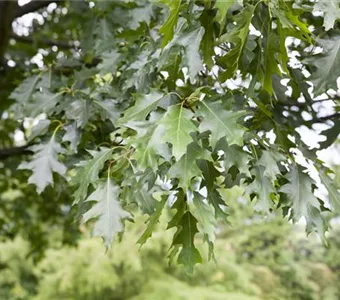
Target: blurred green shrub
<point x="255" y="261"/>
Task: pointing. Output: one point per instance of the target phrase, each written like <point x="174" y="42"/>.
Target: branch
<point x="304" y="104"/>
<point x="48" y="42"/>
<point x="32" y="6"/>
<point x="9" y="10"/>
<point x="14" y="151"/>
<point x="6" y="12"/>
<point x="66" y="70"/>
<point x="327" y="118"/>
<point x="324" y="100"/>
<point x="333" y="118"/>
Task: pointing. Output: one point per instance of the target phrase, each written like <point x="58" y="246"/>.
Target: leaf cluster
<point x="172" y="101"/>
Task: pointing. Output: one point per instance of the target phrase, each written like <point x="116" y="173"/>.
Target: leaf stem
<point x="108" y="171"/>
<point x="254" y="151"/>
<point x="175" y="93"/>
<point x="61" y="124"/>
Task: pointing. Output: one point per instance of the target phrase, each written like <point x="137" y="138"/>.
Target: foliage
<point x="286" y="268"/>
<point x="174" y="100"/>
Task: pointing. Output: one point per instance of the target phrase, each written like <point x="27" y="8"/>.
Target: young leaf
<point x="152" y="221"/>
<point x="169" y="26"/>
<point x="220" y="122"/>
<point x="272" y="48"/>
<point x="72" y="135"/>
<point x="80" y="111"/>
<point x="331" y="134"/>
<point x="109" y="110"/>
<point x="333" y="193"/>
<point x="189" y="38"/>
<point x="143" y="106"/>
<point x="269" y="160"/>
<point x="209" y="173"/>
<point x="237" y="36"/>
<point x="146" y="143"/>
<point x="208" y="39"/>
<point x="143" y="196"/>
<point x="205" y="215"/>
<point x="141" y="72"/>
<point x="139" y="190"/>
<point x="178" y="126"/>
<point x="331" y="10"/>
<point x="222" y="9"/>
<point x="30" y="101"/>
<point x="39" y="129"/>
<point x="263" y="188"/>
<point x="139" y="15"/>
<point x="110" y="61"/>
<point x="41" y="102"/>
<point x="234" y="156"/>
<point x="108" y="210"/>
<point x="304" y="202"/>
<point x="326" y="63"/>
<point x="186" y="168"/>
<point x="215" y="198"/>
<point x="184" y="237"/>
<point x="88" y="170"/>
<point x="23" y="93"/>
<point x="189" y="255"/>
<point x="43" y="163"/>
<point x="289" y="20"/>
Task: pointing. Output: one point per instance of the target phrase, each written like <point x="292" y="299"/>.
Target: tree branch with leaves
<point x="186" y="99"/>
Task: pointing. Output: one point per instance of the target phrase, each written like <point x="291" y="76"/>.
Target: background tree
<point x="145" y="105"/>
<point x="290" y="266"/>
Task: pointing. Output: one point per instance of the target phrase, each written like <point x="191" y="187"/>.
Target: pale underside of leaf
<point x="107" y="210"/>
<point x="43" y="163"/>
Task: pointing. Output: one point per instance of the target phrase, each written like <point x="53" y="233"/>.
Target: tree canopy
<point x="120" y="107"/>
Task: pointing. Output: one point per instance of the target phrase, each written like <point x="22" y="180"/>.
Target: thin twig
<point x="43" y="41"/>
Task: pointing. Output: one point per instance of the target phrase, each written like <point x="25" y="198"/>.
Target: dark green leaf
<point x="88" y="171"/>
<point x="169" y="26"/>
<point x="186" y="168"/>
<point x="221" y="123"/>
<point x="178" y="126"/>
<point x="326" y="63"/>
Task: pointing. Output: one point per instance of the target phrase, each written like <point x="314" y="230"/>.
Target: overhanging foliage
<point x="172" y="101"/>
